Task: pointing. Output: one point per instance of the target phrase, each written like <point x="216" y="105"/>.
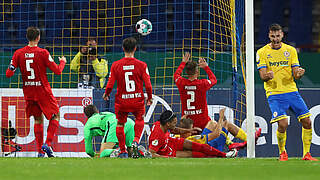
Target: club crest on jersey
<point x="286" y="54"/>
<point x="275" y="114"/>
<point x="155" y="142"/>
<point x="29" y="55"/>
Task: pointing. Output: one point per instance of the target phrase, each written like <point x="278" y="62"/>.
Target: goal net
<point x="211" y="29"/>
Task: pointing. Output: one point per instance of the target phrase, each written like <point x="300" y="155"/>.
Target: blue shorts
<point x="218" y="142"/>
<point x="280" y="103"/>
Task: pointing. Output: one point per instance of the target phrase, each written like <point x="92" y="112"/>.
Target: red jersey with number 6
<point x="130" y="73"/>
<point x="33" y="63"/>
<point x="193" y="96"/>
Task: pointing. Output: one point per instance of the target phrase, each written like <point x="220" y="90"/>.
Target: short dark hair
<point x="90" y="110"/>
<point x="129" y="44"/>
<point x="275" y="27"/>
<point x="186" y="123"/>
<point x="191" y="67"/>
<point x="166" y="116"/>
<point x="32" y="33"/>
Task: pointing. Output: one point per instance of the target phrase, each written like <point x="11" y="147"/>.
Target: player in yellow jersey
<point x="278" y="66"/>
<point x="216" y="134"/>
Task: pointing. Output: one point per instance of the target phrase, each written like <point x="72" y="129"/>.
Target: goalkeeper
<point x="104" y="124"/>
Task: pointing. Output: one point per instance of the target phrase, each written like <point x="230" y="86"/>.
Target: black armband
<point x="12" y="68"/>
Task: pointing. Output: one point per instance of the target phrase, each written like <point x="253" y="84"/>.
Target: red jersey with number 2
<point x="193" y="96"/>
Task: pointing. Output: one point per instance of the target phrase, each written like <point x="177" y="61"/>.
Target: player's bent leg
<point x="236" y="131"/>
<point x="204" y="148"/>
<point x="186" y="154"/>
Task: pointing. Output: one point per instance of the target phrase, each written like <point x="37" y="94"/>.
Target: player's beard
<point x="276" y="43"/>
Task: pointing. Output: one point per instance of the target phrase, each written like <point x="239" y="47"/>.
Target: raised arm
<point x="185" y="59"/>
<point x="75" y="62"/>
<point x="56" y="69"/>
<point x="212" y="78"/>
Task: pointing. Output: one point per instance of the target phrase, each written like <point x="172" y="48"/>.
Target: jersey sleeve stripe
<point x="261" y="67"/>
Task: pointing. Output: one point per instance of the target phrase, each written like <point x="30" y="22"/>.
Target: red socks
<point x="38" y="132"/>
<point x="138" y="128"/>
<point x="52" y="128"/>
<point x="121" y="138"/>
<point x="196" y="154"/>
<point x="208" y="150"/>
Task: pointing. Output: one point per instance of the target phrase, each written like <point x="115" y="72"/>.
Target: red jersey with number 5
<point x="33" y="63"/>
<point x="193" y="95"/>
<point x="130" y="73"/>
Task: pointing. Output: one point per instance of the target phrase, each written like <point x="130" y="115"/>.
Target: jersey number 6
<point x="130" y="85"/>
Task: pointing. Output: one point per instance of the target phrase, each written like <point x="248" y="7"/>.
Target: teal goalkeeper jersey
<point x="104" y="124"/>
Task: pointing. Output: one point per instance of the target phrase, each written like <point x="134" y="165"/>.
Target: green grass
<point x="195" y="169"/>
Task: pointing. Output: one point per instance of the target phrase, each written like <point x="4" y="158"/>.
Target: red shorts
<point x="47" y="105"/>
<point x="176" y="144"/>
<point x="122" y="115"/>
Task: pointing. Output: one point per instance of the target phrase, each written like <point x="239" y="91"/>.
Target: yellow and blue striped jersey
<point x="280" y="61"/>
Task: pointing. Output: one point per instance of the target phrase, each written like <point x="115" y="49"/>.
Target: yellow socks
<point x="228" y="141"/>
<point x="306" y="140"/>
<point x="241" y="135"/>
<point x="282" y="138"/>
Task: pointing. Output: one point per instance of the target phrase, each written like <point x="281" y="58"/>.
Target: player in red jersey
<point x="193" y="95"/>
<point x="162" y="145"/>
<point x="193" y="90"/>
<point x="33" y="63"/>
<point x="130" y="73"/>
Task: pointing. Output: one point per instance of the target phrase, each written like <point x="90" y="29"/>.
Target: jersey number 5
<point x="30" y="69"/>
<point x="130" y="85"/>
<point x="191" y="100"/>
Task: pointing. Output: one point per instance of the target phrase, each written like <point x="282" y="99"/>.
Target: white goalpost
<point x="249" y="21"/>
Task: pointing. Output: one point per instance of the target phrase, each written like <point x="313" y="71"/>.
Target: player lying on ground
<point x="216" y="134"/>
<point x="104" y="124"/>
<point x="33" y="63"/>
<point x="162" y="145"/>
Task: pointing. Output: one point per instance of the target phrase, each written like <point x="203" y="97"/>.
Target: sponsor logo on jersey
<point x="190" y="87"/>
<point x="29" y="55"/>
<point x="280" y="63"/>
<point x="130" y="67"/>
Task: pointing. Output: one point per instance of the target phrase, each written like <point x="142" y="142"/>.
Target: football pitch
<point x="195" y="169"/>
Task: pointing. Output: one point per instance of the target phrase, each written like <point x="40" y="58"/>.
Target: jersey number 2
<point x="30" y="69"/>
<point x="191" y="100"/>
<point x="130" y="85"/>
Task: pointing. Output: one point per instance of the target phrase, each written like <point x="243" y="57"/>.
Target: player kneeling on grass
<point x="216" y="134"/>
<point x="162" y="145"/>
<point x="104" y="124"/>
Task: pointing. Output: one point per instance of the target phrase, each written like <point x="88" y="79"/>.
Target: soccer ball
<point x="144" y="27"/>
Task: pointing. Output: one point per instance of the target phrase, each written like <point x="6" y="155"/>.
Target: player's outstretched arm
<point x="265" y="75"/>
<point x="56" y="69"/>
<point x="154" y="154"/>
